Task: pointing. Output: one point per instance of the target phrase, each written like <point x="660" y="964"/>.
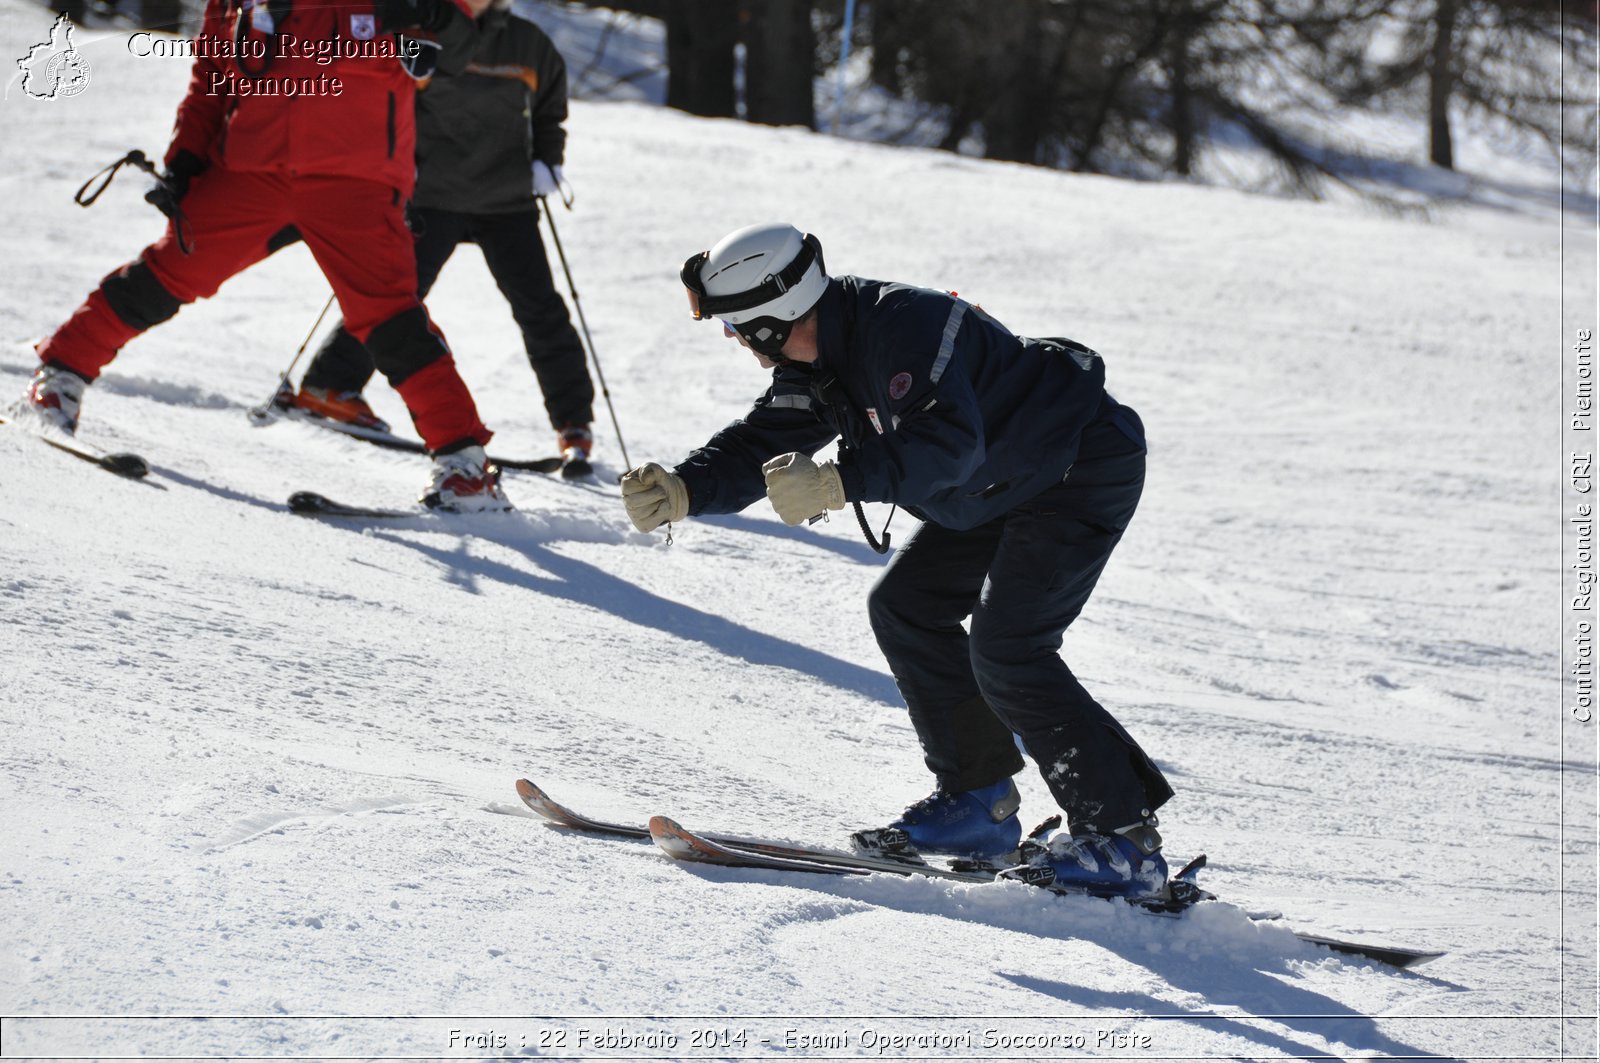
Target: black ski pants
<point x="514" y="252"/>
<point x="1022" y="578"/>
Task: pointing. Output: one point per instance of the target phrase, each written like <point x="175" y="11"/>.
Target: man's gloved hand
<point x="173" y="185"/>
<point x="800" y="488"/>
<point x="654" y="496"/>
<point x="546" y="180"/>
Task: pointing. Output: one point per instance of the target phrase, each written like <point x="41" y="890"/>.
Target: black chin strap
<point x="766" y="336"/>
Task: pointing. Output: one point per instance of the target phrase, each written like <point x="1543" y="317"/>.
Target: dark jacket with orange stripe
<point x="479" y="132"/>
<point x="366" y="129"/>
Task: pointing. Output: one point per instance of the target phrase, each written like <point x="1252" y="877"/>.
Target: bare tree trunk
<point x="1109" y="100"/>
<point x="888" y="25"/>
<point x="780" y="51"/>
<point x="1012" y="125"/>
<point x="1182" y="104"/>
<point x="700" y="39"/>
<point x="961" y="122"/>
<point x="1441" y="83"/>
<point x="1096" y="126"/>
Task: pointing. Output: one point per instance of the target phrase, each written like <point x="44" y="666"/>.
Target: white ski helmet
<point x="760" y="280"/>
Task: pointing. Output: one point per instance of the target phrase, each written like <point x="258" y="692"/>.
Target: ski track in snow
<point x="260" y="765"/>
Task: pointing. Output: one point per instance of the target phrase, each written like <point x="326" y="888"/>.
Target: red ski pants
<point x="356" y="231"/>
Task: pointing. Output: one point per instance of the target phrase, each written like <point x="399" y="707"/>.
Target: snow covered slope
<point x="258" y="766"/>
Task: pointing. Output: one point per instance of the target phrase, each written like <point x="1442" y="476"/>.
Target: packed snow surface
<point x="259" y="768"/>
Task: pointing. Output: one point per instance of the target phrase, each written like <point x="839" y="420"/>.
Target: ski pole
<point x="550" y="220"/>
<point x="262" y="414"/>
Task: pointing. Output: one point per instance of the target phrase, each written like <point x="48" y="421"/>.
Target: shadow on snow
<point x="585" y="584"/>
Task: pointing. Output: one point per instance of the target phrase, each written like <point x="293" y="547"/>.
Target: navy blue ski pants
<point x="1022" y="578"/>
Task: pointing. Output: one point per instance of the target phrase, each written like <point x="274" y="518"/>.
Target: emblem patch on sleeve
<point x="899" y="385"/>
<point x="363" y="27"/>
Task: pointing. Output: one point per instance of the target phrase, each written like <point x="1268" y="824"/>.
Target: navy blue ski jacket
<point x="937" y="407"/>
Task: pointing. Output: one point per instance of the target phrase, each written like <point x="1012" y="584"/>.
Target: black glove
<point x="397" y="16"/>
<point x="173" y="185"/>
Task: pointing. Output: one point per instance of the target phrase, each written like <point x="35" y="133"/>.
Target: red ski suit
<point x="317" y="139"/>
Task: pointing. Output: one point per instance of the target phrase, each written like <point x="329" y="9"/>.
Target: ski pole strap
<point x="881" y="547"/>
<point x="136" y="158"/>
<point x="564" y="195"/>
<point x="821" y="393"/>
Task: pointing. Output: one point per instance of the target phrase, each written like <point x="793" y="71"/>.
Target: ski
<point x="689" y="847"/>
<point x="559" y="814"/>
<point x="548" y="809"/>
<point x="390" y="441"/>
<point x="680" y="844"/>
<point x="311" y="504"/>
<point x="125" y="464"/>
<point x="735" y="851"/>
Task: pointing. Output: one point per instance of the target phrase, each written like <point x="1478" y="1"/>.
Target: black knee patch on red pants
<point x="136" y="297"/>
<point x="405" y="344"/>
<point x="282" y="239"/>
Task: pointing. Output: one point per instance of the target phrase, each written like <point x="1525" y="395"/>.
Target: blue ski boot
<point x="978" y="823"/>
<point x="1124" y="863"/>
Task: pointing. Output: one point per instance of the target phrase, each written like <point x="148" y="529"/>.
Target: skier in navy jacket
<point x="1025" y="473"/>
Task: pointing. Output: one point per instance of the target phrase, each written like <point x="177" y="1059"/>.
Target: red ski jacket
<point x="307" y="87"/>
